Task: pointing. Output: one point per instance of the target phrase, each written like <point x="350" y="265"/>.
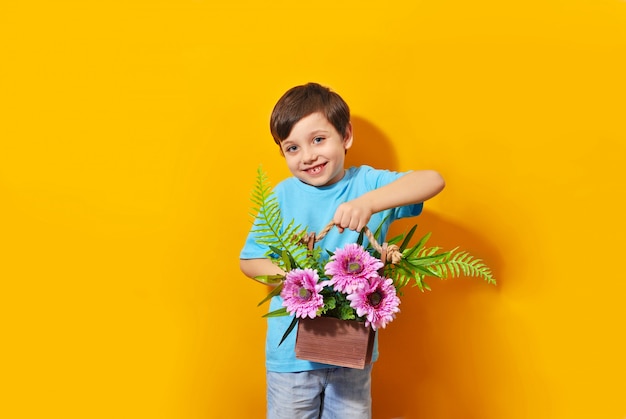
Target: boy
<point x="311" y="125"/>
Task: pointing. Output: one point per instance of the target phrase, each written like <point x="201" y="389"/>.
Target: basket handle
<point x="388" y="253"/>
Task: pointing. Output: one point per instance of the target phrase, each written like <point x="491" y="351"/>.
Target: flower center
<point x="304" y="293"/>
<point x="375" y="298"/>
<point x="354" y="267"/>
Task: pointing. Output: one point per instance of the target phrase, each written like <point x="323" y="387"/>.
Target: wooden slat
<point x="345" y="343"/>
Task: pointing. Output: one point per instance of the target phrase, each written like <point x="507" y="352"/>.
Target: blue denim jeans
<point x="329" y="393"/>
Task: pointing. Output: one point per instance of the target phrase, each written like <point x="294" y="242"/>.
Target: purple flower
<point x="301" y="293"/>
<point x="377" y="301"/>
<point x="351" y="267"/>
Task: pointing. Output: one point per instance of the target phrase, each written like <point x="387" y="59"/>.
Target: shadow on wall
<point x="431" y="354"/>
<point x="370" y="147"/>
<point x="427" y="365"/>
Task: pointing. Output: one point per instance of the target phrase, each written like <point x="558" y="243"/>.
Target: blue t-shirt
<point x="313" y="208"/>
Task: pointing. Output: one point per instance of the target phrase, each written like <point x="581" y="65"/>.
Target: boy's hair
<point x="301" y="101"/>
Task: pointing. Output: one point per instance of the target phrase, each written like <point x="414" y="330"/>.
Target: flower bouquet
<point x="341" y="298"/>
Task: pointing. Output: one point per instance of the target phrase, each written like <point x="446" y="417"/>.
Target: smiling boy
<point x="311" y="125"/>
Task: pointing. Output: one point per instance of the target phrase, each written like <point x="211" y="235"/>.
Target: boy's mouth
<point x="316" y="169"/>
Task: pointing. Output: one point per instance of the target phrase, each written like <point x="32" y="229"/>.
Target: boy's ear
<point x="347" y="138"/>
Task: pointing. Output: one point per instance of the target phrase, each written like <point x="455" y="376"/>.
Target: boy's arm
<point x="411" y="188"/>
<point x="257" y="267"/>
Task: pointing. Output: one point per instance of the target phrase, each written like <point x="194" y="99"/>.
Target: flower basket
<point x="338" y="298"/>
<point x="345" y="343"/>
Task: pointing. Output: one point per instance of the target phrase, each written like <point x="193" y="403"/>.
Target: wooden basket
<point x="328" y="340"/>
<point x="345" y="343"/>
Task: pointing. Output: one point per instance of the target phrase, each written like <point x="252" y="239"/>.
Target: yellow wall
<point x="130" y="136"/>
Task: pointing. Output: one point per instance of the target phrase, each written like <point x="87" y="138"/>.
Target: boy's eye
<point x="291" y="148"/>
<point x="317" y="140"/>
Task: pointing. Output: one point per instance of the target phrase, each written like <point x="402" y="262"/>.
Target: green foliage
<point x="285" y="247"/>
<point x="419" y="262"/>
<point x="287" y="250"/>
<point x="463" y="264"/>
<point x="276" y="291"/>
<point x="337" y="305"/>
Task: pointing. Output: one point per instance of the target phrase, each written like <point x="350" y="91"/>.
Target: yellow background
<point x="130" y="135"/>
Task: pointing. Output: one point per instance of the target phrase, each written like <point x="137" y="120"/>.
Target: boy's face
<point x="315" y="152"/>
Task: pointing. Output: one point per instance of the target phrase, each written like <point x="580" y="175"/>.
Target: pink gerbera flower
<point x="301" y="293"/>
<point x="351" y="267"/>
<point x="377" y="301"/>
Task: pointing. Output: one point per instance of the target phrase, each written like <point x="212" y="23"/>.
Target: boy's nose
<point x="308" y="155"/>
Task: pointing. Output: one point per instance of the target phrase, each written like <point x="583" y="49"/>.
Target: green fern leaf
<point x="463" y="263"/>
<point x="270" y="231"/>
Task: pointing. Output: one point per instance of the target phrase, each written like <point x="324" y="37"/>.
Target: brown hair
<point x="301" y="101"/>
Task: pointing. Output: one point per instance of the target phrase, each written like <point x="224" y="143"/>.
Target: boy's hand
<point x="411" y="188"/>
<point x="353" y="215"/>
